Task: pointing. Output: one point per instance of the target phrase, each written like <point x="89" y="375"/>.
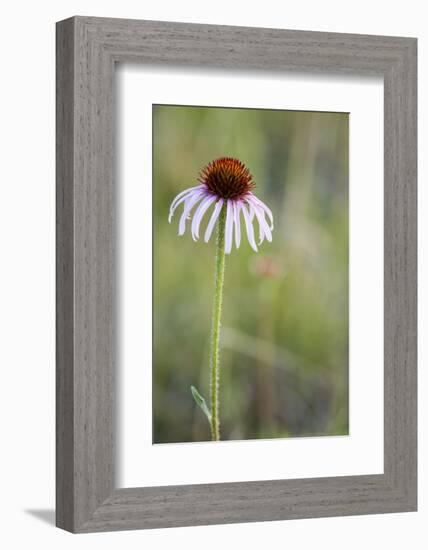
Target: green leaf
<point x="201" y="402"/>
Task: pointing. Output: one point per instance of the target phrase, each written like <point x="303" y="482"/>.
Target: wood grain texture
<point x="87" y="50"/>
<point x="64" y="277"/>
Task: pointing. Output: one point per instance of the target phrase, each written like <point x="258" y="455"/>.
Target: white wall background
<point x="27" y="272"/>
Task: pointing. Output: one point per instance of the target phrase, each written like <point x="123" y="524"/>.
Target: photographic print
<point x="250" y="273"/>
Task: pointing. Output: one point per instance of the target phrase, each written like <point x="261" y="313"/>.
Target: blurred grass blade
<point x="201" y="402"/>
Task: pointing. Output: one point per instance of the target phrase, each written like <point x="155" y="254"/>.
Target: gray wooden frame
<point x="87" y="50"/>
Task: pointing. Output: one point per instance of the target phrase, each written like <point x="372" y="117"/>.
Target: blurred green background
<point x="284" y="357"/>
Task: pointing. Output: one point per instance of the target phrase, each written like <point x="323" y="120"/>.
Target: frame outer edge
<point x="65" y="108"/>
<point x="400" y="315"/>
<point x="94" y="275"/>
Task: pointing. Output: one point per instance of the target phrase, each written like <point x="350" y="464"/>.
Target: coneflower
<point x="224" y="182"/>
<point x="226" y="185"/>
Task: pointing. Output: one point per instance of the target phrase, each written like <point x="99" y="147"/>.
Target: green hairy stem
<point x="216" y="327"/>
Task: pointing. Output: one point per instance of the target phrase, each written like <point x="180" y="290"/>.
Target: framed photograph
<point x="236" y="274"/>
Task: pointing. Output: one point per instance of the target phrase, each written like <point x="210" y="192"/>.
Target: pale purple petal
<point x="200" y="211"/>
<point x="251" y="214"/>
<point x="229" y="228"/>
<point x="188" y="205"/>
<point x="181" y="197"/>
<point x="250" y="231"/>
<point x="236" y="212"/>
<point x="177" y="204"/>
<point x="252" y="198"/>
<point x="173" y="204"/>
<point x="213" y="219"/>
<point x="264" y="230"/>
